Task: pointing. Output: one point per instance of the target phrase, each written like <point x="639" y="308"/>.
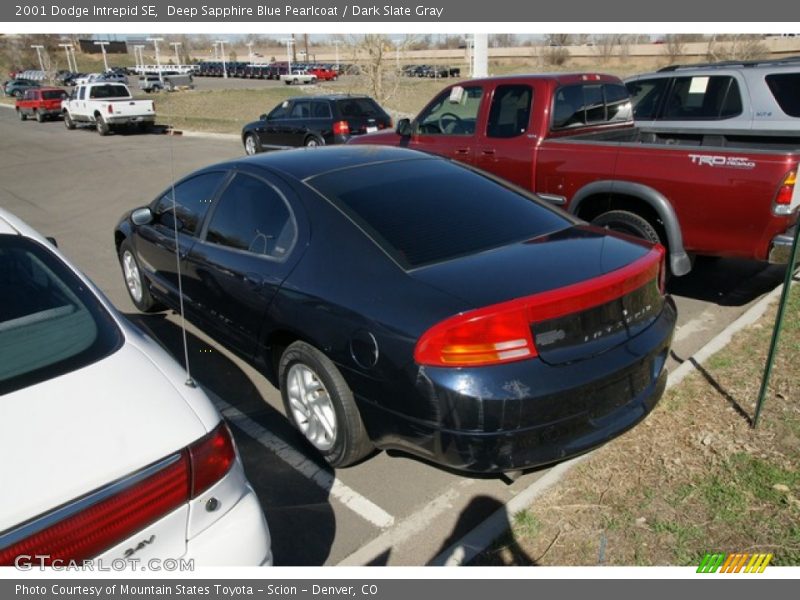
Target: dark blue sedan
<point x="401" y="300"/>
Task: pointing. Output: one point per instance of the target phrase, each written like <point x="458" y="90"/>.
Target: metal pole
<point x="158" y="57"/>
<point x="103" y="50"/>
<point x="776" y="333"/>
<point x="39" y="49"/>
<point x="250" y="52"/>
<point x="222" y="52"/>
<point x="176" y="45"/>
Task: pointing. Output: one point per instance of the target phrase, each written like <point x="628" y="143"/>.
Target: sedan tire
<point x="134" y="281"/>
<point x="320" y="404"/>
<point x="251" y="144"/>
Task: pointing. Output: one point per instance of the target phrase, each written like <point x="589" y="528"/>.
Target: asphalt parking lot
<point x="390" y="509"/>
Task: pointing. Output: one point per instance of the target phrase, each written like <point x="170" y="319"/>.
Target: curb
<point x="203" y="134"/>
<point x="477" y="540"/>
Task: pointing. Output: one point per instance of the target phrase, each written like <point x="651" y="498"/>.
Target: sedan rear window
<point x="50" y="323"/>
<point x="426" y="211"/>
<point x="359" y="107"/>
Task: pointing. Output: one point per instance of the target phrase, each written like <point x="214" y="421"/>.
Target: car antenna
<point x="190" y="382"/>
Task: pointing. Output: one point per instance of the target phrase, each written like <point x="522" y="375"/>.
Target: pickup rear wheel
<point x="101" y="125"/>
<point x="623" y="221"/>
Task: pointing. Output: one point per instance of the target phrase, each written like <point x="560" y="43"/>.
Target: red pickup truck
<point x="570" y="138"/>
<point x="40" y="103"/>
<point x="324" y="74"/>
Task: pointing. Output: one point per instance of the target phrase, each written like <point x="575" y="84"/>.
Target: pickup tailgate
<point x="126" y="107"/>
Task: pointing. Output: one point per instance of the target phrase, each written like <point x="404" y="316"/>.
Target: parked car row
<point x="431" y="71"/>
<point x="244" y="70"/>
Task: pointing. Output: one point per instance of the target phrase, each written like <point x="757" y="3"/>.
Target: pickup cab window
<point x="81" y="93"/>
<point x="510" y="111"/>
<point x="108" y="91"/>
<point x="593" y="104"/>
<point x="453" y="112"/>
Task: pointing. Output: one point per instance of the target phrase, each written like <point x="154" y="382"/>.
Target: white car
<point x="107" y="454"/>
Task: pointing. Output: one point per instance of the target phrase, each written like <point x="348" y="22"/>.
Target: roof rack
<point x="789" y="60"/>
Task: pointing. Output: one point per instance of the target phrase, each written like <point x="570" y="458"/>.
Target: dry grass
<point x="693" y="478"/>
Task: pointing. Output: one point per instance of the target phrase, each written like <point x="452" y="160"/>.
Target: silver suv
<point x="743" y="95"/>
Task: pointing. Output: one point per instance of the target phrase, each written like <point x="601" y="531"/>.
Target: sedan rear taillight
<point x="501" y="333"/>
<point x="94" y="523"/>
<point x="341" y="128"/>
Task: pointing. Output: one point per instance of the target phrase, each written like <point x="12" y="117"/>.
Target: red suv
<point x="41" y="103"/>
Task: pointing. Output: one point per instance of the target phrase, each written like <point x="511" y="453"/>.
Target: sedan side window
<point x="301" y="109"/>
<point x="192" y="199"/>
<point x="454" y="112"/>
<point x="252" y="216"/>
<point x="646" y="95"/>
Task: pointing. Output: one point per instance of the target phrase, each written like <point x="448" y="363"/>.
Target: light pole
<point x="158" y="58"/>
<point x="67" y="48"/>
<point x="222" y="51"/>
<point x="103" y="50"/>
<point x="336" y="44"/>
<point x="139" y="56"/>
<point x="250" y="52"/>
<point x="289" y="43"/>
<point x="39" y="49"/>
<point x="176" y="45"/>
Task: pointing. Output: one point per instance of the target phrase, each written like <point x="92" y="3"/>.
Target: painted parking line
<point x="360" y="505"/>
<point x="410" y="527"/>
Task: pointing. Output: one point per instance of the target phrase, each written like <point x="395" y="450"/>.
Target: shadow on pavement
<point x="727" y="281"/>
<point x="481" y="508"/>
<point x="301" y="519"/>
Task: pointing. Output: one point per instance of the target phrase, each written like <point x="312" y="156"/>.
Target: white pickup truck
<point x="107" y="106"/>
<point x="298" y="76"/>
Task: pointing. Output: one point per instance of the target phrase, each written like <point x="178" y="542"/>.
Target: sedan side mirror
<point x="404" y="128"/>
<point x="142" y="216"/>
<point x="262" y="117"/>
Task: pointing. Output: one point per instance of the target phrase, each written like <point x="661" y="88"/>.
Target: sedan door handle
<point x="462" y="151"/>
<point x="488" y="152"/>
<point x="254" y="279"/>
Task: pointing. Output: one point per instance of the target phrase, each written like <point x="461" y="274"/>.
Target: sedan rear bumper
<point x="529" y="414"/>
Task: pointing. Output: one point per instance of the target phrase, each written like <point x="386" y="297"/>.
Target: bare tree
<point x="604" y="46"/>
<point x="502" y="40"/>
<point x="736" y="47"/>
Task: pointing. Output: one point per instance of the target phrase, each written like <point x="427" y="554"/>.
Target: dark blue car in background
<point x="401" y="300"/>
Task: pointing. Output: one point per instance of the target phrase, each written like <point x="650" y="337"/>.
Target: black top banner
<point x="308" y="11"/>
